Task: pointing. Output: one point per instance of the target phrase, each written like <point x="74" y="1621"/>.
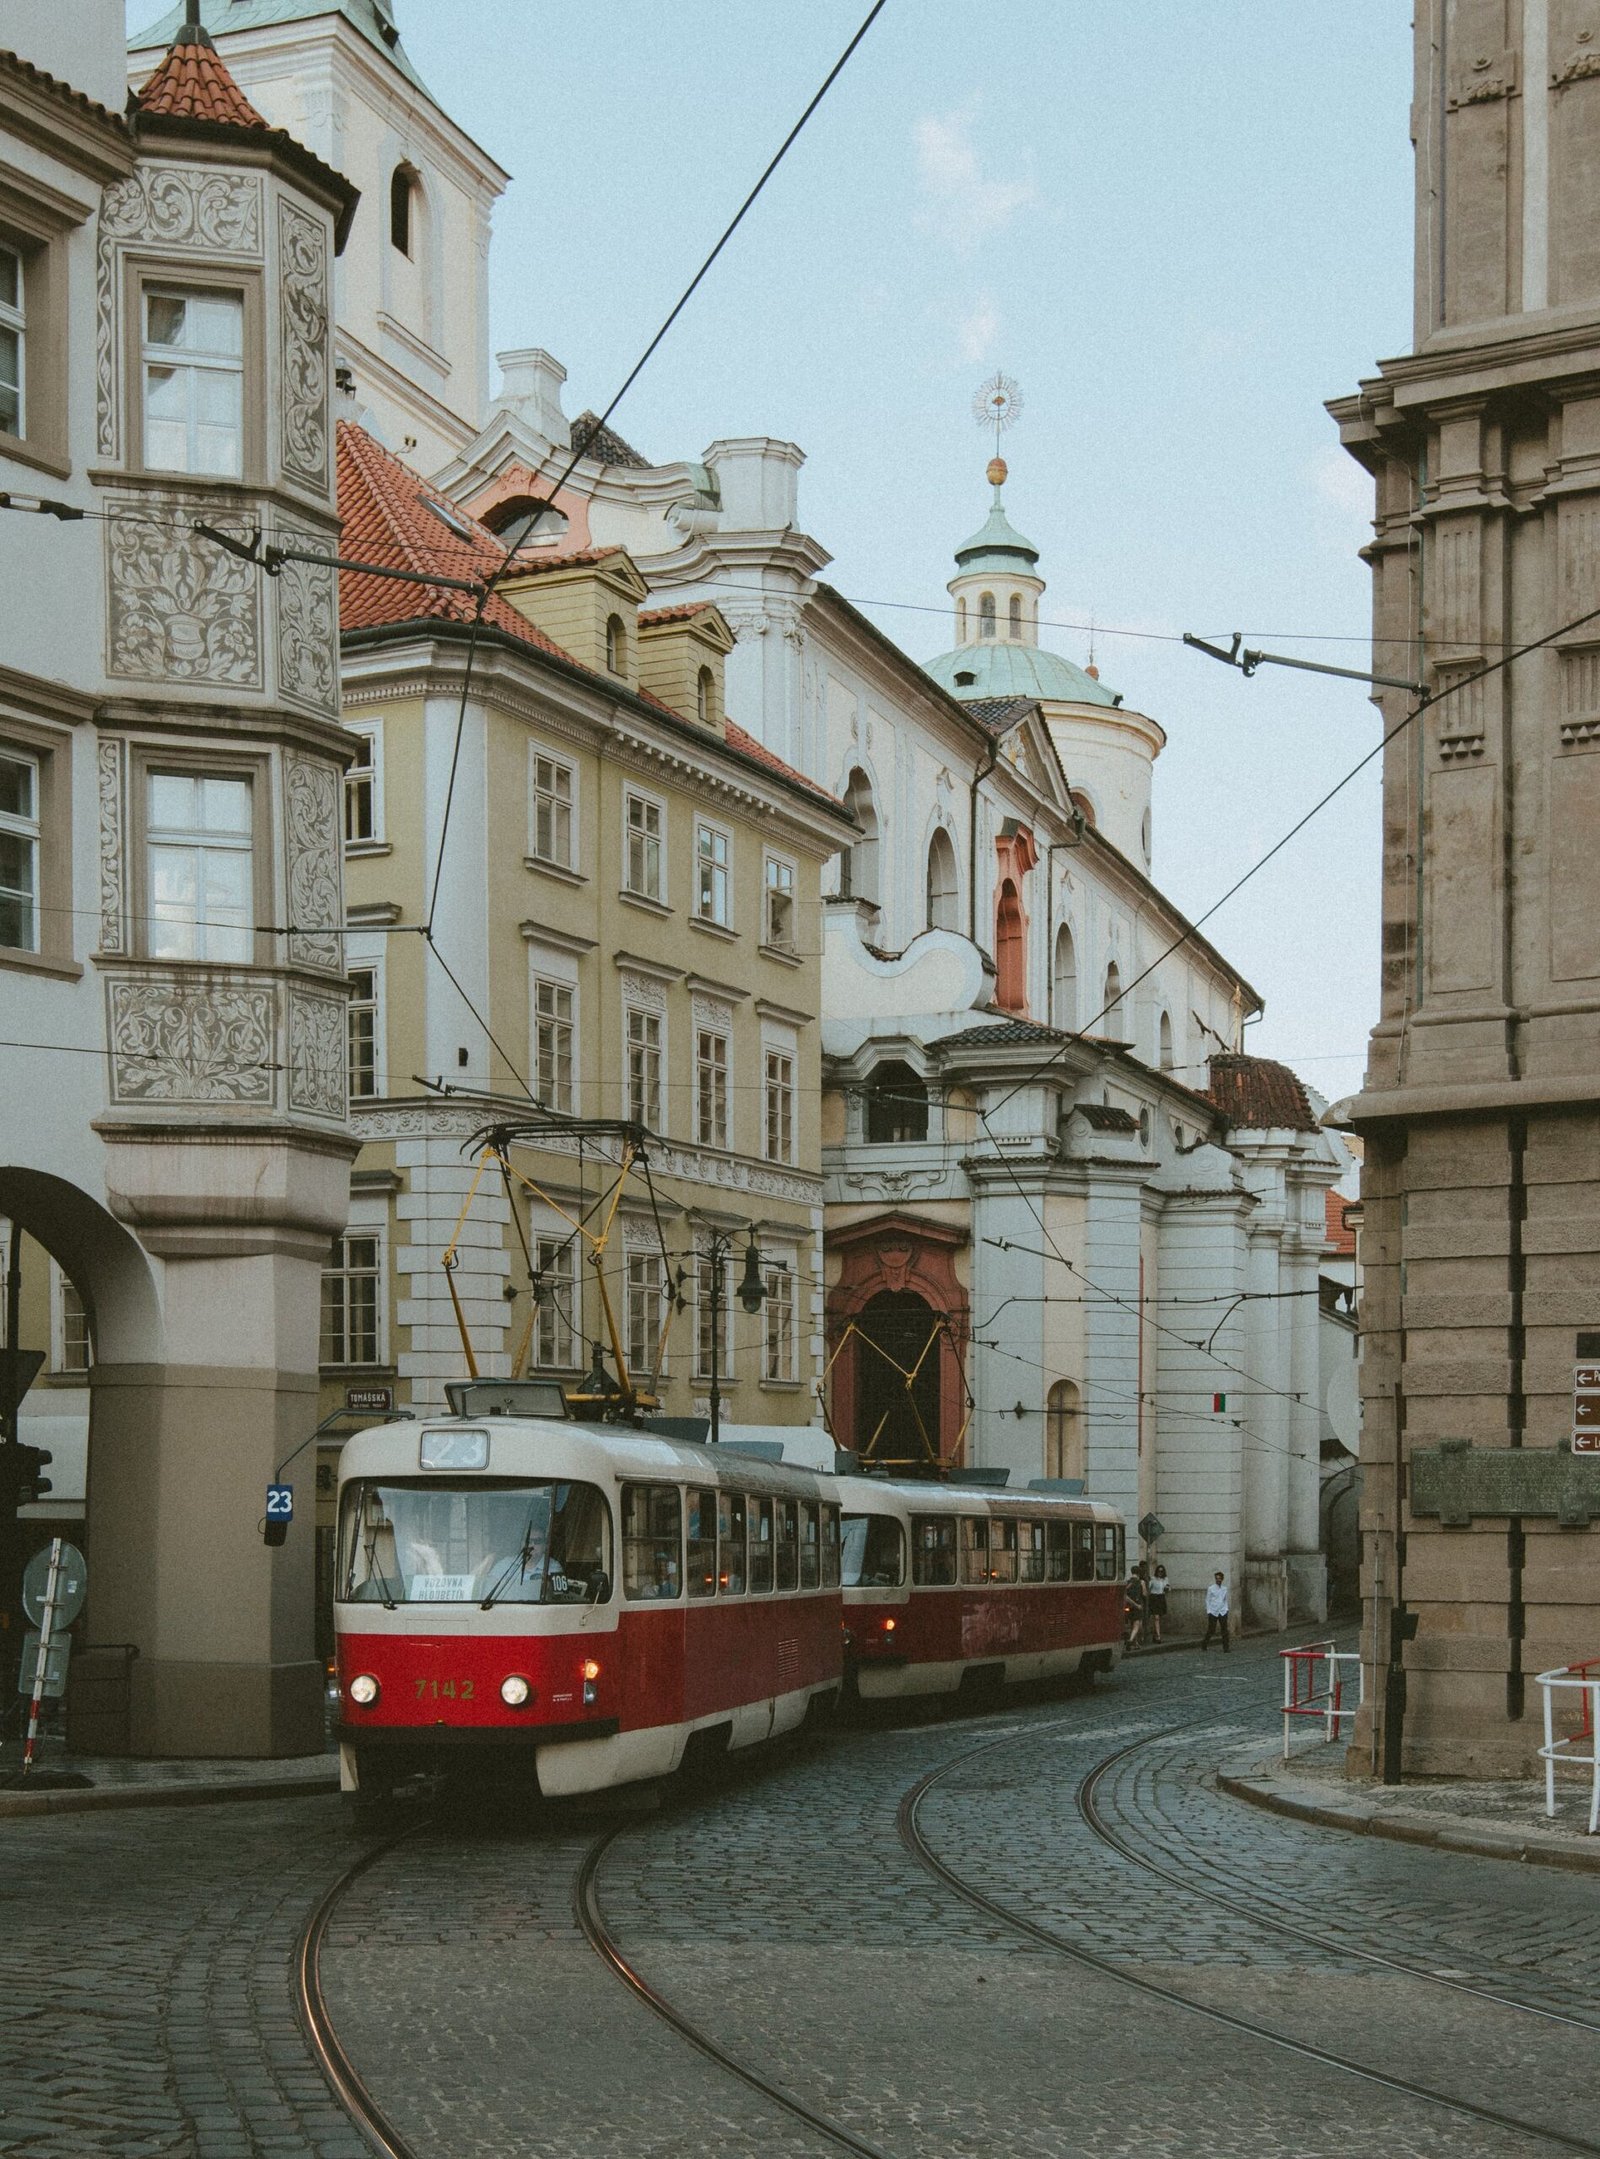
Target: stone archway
<point x="898" y="1304"/>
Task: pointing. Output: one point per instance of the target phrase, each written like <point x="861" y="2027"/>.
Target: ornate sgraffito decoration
<point x="109" y="775"/>
<point x="177" y="608"/>
<point x="318" y="1045"/>
<point x="170" y="206"/>
<point x="303" y="301"/>
<point x="311" y="841"/>
<point x="646" y="990"/>
<point x="307" y="628"/>
<point x="1482" y="78"/>
<point x="207" y="1041"/>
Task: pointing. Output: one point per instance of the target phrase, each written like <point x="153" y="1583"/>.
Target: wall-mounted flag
<point x="1219" y="1402"/>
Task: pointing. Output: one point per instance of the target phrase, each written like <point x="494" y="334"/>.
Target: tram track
<point x="916" y="1843"/>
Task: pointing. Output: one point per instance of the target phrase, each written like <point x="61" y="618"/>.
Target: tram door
<point x="897" y="1422"/>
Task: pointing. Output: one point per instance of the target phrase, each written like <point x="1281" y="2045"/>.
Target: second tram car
<point x="946" y="1583"/>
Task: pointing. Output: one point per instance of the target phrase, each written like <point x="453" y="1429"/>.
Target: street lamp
<point x="752" y="1295"/>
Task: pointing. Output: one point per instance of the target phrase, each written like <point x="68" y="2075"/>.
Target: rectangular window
<point x="1061" y="1551"/>
<point x="1083" y="1551"/>
<point x="760" y="1546"/>
<point x="350" y="1292"/>
<point x="810" y="1546"/>
<point x="644" y="1294"/>
<point x="974" y="1548"/>
<point x="778" y="927"/>
<point x="194" y="382"/>
<point x="830" y="1547"/>
<point x="706" y="1314"/>
<point x="1002" y="1551"/>
<point x="13" y="343"/>
<point x="644" y="1067"/>
<point x="198" y="835"/>
<point x="712" y="897"/>
<point x="1030" y="1551"/>
<point x="788" y="1543"/>
<point x="778" y="1137"/>
<point x="652" y="1552"/>
<point x="702" y="1543"/>
<point x="730" y="1543"/>
<point x="711" y="1087"/>
<point x="363" y="1033"/>
<point x="553" y="1042"/>
<point x="19" y="851"/>
<point x="778" y="1324"/>
<point x="556" y="1345"/>
<point x="643" y="860"/>
<point x="76" y="1352"/>
<point x="361" y="793"/>
<point x="552" y="812"/>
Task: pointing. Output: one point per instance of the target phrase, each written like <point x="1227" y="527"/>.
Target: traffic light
<point x="30" y="1484"/>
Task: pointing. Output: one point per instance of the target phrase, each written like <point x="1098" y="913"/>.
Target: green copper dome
<point x="374" y="19"/>
<point x="1001" y="667"/>
<point x="997" y="545"/>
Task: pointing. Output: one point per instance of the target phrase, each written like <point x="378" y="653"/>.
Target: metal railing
<point x="1315" y="1685"/>
<point x="1583" y="1680"/>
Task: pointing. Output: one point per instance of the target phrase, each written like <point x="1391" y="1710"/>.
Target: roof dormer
<point x="589" y="604"/>
<point x="683" y="653"/>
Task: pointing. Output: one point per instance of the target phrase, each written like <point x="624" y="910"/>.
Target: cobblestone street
<point x="1100" y="1970"/>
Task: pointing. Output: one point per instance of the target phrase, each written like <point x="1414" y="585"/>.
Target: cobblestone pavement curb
<point x="1445" y="1833"/>
<point x="21" y="1802"/>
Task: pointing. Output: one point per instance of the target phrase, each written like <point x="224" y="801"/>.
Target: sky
<point x="1180" y="225"/>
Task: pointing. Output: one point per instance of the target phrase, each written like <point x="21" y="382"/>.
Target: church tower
<point x="1106" y="750"/>
<point x="1481" y="1107"/>
<point x="411" y="305"/>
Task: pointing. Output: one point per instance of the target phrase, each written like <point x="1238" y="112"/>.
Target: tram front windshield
<point x="872" y="1552"/>
<point x="483" y="1543"/>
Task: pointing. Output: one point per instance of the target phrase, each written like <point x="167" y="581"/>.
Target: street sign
<point x="280" y="1502"/>
<point x="1151" y="1526"/>
<point x="72" y="1581"/>
<point x="369" y="1401"/>
<point x="1585" y="1406"/>
<point x="52" y="1683"/>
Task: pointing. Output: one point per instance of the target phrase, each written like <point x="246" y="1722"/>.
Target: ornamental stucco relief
<point x="173" y="1041"/>
<point x="318" y="1045"/>
<point x="307" y="629"/>
<point x="177" y="608"/>
<point x="311" y="841"/>
<point x="109" y="782"/>
<point x="303" y="320"/>
<point x="173" y="206"/>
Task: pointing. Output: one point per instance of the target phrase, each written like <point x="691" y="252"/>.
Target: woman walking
<point x="1156" y="1599"/>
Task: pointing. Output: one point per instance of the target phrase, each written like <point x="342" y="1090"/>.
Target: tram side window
<point x="933" y="1551"/>
<point x="974" y="1548"/>
<point x="1107" y="1552"/>
<point x="830" y="1547"/>
<point x="702" y="1543"/>
<point x="1002" y="1551"/>
<point x="875" y="1552"/>
<point x="730" y="1543"/>
<point x="1061" y="1551"/>
<point x="810" y="1549"/>
<point x="1083" y="1551"/>
<point x="1030" y="1551"/>
<point x="760" y="1546"/>
<point x="652" y="1548"/>
<point x="788" y="1544"/>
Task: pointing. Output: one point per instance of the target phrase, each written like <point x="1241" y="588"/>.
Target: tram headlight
<point x="515" y="1690"/>
<point x="591" y="1670"/>
<point x="364" y="1689"/>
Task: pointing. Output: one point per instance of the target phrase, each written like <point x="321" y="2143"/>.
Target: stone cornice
<point x="54" y="117"/>
<point x="45" y="700"/>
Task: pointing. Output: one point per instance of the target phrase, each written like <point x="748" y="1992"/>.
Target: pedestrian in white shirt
<point x="1217" y="1610"/>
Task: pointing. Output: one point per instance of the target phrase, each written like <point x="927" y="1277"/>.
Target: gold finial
<point x="995" y="473"/>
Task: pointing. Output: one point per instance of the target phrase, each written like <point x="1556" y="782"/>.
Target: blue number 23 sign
<point x="280" y="1502"/>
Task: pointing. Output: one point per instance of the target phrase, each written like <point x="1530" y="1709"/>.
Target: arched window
<point x="986" y="614"/>
<point x="1111" y="1002"/>
<point x="705" y="691"/>
<point x="1081" y="801"/>
<point x="1164" y="1046"/>
<point x="1010" y="957"/>
<point x="897" y="1104"/>
<point x="858" y="870"/>
<point x="616" y="645"/>
<point x="944" y="908"/>
<point x="1064" y="981"/>
<point x="1014" y="616"/>
<point x="522" y="521"/>
<point x="402" y="187"/>
<point x="961" y="622"/>
<point x="1063" y="1430"/>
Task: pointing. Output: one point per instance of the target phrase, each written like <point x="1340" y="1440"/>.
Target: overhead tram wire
<point x="592" y="434"/>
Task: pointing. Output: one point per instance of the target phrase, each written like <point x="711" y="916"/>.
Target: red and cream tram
<point x="948" y="1582"/>
<point x="590" y="1596"/>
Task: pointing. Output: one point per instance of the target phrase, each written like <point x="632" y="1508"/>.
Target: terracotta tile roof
<point x="1341" y="1237"/>
<point x="1016" y="1034"/>
<point x="193" y="82"/>
<point x="650" y="615"/>
<point x="1254" y="1094"/>
<point x="528" y="564"/>
<point x="604" y="444"/>
<point x="390" y="515"/>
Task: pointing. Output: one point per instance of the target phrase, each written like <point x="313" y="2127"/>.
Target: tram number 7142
<point x="447" y="1690"/>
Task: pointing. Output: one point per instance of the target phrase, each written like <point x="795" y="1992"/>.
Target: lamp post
<point x="752" y="1295"/>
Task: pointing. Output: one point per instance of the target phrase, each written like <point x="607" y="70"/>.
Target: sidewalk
<point x="1498" y="1820"/>
<point x="120" y="1781"/>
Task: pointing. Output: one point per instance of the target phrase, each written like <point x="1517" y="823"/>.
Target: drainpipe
<point x="978" y="779"/>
